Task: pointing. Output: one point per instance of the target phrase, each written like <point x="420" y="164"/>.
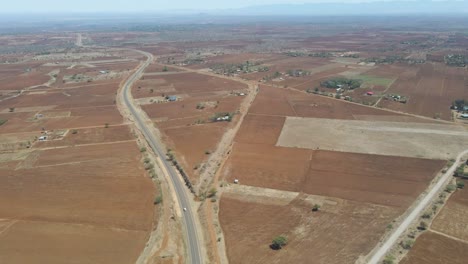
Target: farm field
<point x="432" y="248"/>
<point x="434" y="141"/>
<point x="82" y="193"/>
<point x="186" y="124"/>
<point x="447" y="240"/>
<point x="250" y="226"/>
<point x="431" y="88"/>
<point x="312" y="163"/>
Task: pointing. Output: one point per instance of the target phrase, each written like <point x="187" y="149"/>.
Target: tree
<point x="12" y="109"/>
<point x="278" y="242"/>
<point x="106" y="125"/>
<point x="165" y="69"/>
<point x="422" y="226"/>
<point x="460" y="184"/>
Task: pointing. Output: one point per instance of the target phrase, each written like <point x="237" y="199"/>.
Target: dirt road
<point x="418" y="209"/>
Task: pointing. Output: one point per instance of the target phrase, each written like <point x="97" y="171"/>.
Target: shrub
<point x="142" y="149"/>
<point x="460" y="184"/>
<point x="450" y="188"/>
<point x="389" y="259"/>
<point x="158" y="199"/>
<point x="106" y="125"/>
<point x="3" y="121"/>
<point x="278" y="242"/>
<point x="12" y="109"/>
<point x="316" y="207"/>
<point x="74" y="131"/>
<point x="212" y="192"/>
<point x="408" y="244"/>
<point x="422" y="226"/>
<point x="427" y="215"/>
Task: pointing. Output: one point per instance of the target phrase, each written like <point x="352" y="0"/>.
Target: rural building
<point x="172" y="98"/>
<point x="370" y="93"/>
<point x="464" y="115"/>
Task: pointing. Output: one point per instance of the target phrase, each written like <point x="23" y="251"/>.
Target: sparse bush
<point x="389" y="259"/>
<point x="408" y="244"/>
<point x="207" y="152"/>
<point x="422" y="226"/>
<point x="74" y="131"/>
<point x="278" y="242"/>
<point x="142" y="149"/>
<point x="158" y="199"/>
<point x="450" y="188"/>
<point x="316" y="207"/>
<point x="106" y="125"/>
<point x="149" y="166"/>
<point x="146" y="160"/>
<point x="11" y="109"/>
<point x="427" y="215"/>
<point x="212" y="192"/>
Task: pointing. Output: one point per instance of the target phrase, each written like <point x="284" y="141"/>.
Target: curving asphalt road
<point x="188" y="222"/>
<point x="391" y="240"/>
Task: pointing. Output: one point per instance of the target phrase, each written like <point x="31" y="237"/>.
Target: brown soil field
<point x="89" y="136"/>
<point x="51" y="242"/>
<point x="378" y="179"/>
<point x="452" y="220"/>
<point x="24" y="80"/>
<point x="432" y="248"/>
<point x="188" y="107"/>
<point x="103" y="203"/>
<point x="192" y="83"/>
<point x="259" y="129"/>
<point x="80" y="117"/>
<point x="190" y="143"/>
<point x="293" y="103"/>
<point x="339" y="233"/>
<point x="431" y="90"/>
<point x="92" y="95"/>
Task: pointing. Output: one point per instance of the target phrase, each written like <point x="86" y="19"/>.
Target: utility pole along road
<point x="417" y="210"/>
<point x="188" y="220"/>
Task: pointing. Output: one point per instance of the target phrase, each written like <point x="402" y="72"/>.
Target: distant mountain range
<point x="371" y="8"/>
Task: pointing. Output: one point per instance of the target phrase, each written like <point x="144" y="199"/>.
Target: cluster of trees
<point x="171" y="157"/>
<point x="303" y="54"/>
<point x="393" y="59"/>
<point x="341" y="82"/>
<point x="456" y="60"/>
<point x="459" y="104"/>
<point x="297" y="73"/>
<point x="272" y="76"/>
<point x="245" y="67"/>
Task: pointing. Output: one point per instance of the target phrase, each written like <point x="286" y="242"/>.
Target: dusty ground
<point x="435" y="248"/>
<point x="250" y="223"/>
<point x="381" y="138"/>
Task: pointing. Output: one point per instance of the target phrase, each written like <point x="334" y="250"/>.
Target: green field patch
<point x="369" y="80"/>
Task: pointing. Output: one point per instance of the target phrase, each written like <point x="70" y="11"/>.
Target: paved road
<point x="391" y="240"/>
<point x="189" y="224"/>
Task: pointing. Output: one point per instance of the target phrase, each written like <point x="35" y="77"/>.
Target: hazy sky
<point x="139" y="5"/>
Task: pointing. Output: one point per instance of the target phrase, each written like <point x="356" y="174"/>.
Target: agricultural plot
<point x="188" y="124"/>
<point x="431" y="89"/>
<point x="82" y="205"/>
<point x="432" y="248"/>
<point x="249" y="227"/>
<point x="434" y="141"/>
